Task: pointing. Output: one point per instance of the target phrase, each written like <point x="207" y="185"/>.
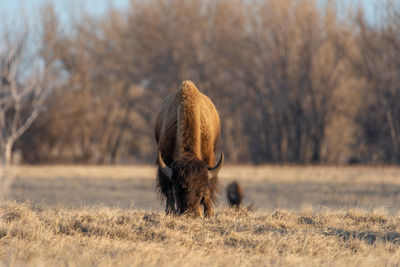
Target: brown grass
<point x="265" y="187"/>
<point x="303" y="216"/>
<point x="40" y="235"/>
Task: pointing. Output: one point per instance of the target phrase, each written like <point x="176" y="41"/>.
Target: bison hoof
<point x="193" y="214"/>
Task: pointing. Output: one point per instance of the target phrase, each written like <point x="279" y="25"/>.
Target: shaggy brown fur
<point x="234" y="193"/>
<point x="187" y="130"/>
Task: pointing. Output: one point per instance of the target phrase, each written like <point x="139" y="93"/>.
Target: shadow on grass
<point x="368" y="236"/>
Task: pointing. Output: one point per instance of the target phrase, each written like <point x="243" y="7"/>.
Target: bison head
<point x="189" y="177"/>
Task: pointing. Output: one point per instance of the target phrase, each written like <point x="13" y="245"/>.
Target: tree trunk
<point x="8" y="152"/>
<point x="316" y="148"/>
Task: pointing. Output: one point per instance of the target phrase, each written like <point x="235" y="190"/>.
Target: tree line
<point x="293" y="81"/>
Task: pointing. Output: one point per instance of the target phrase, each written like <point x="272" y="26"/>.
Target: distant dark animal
<point x="353" y="161"/>
<point x="187" y="130"/>
<point x="234" y="193"/>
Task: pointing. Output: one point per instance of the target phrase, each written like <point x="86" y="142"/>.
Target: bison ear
<point x="163" y="167"/>
<point x="213" y="172"/>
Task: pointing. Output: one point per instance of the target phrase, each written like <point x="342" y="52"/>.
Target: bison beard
<point x="187" y="130"/>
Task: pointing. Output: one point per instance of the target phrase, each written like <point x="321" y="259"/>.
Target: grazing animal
<point x="187" y="130"/>
<point x="234" y="193"/>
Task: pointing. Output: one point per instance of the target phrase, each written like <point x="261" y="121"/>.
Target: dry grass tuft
<point x="41" y="235"/>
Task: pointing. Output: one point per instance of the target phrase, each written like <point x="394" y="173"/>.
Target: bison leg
<point x="207" y="203"/>
<point x="197" y="211"/>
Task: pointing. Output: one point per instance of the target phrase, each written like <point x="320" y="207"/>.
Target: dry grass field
<point x="103" y="216"/>
<point x="265" y="187"/>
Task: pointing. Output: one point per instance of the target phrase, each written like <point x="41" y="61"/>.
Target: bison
<point x="187" y="130"/>
<point x="234" y="193"/>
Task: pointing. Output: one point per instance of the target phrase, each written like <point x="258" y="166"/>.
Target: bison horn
<point x="212" y="172"/>
<point x="163" y="167"/>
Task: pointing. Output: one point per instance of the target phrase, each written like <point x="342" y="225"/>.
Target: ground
<point x="300" y="216"/>
<point x="265" y="187"/>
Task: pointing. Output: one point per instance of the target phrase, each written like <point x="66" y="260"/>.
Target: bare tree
<point x="22" y="88"/>
<point x="276" y="69"/>
<point x="376" y="62"/>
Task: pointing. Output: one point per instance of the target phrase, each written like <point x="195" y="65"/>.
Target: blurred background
<point x="294" y="81"/>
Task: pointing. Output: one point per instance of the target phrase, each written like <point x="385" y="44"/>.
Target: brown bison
<point x="187" y="131"/>
<point x="234" y="193"/>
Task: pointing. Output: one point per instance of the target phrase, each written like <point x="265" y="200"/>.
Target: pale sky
<point x="97" y="7"/>
<point x="62" y="7"/>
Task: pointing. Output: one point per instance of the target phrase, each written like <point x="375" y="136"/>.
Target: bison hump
<point x="189" y="90"/>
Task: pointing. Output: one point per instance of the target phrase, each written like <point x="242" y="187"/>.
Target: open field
<point x="266" y="187"/>
<point x="102" y="236"/>
<point x="302" y="216"/>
